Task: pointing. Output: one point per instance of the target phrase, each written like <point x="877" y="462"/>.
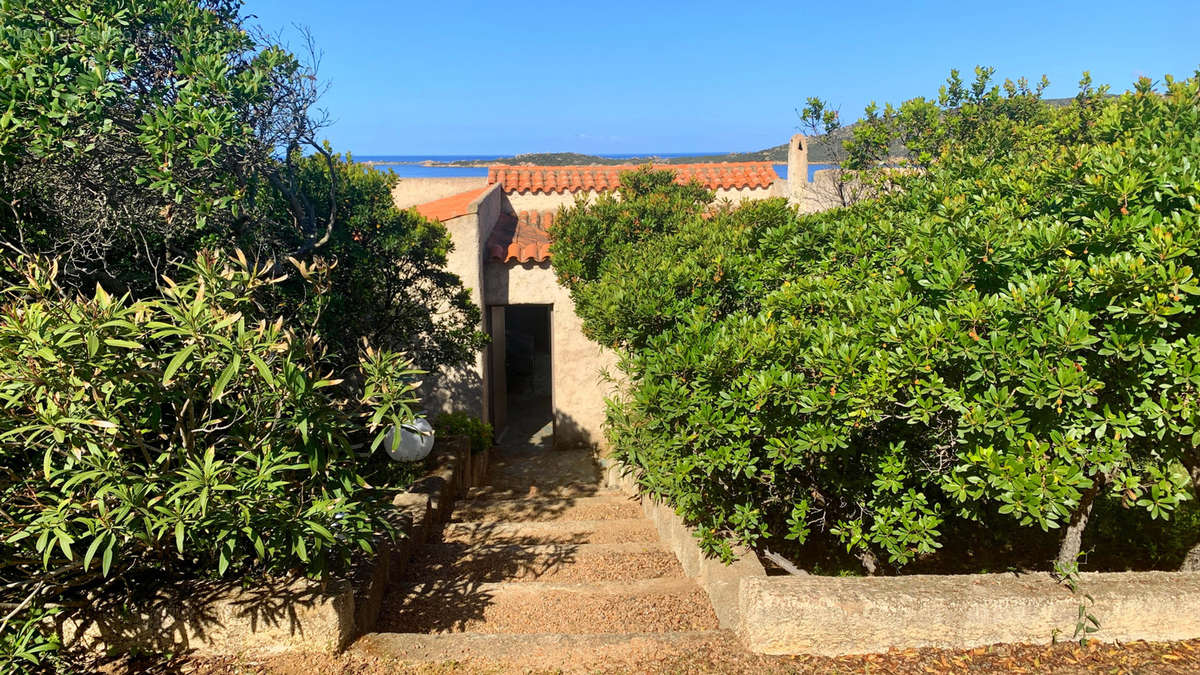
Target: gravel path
<point x="722" y="654"/>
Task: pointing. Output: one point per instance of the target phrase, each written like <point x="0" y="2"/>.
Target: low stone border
<point x="223" y="618"/>
<point x="835" y="616"/>
<point x="219" y="618"/>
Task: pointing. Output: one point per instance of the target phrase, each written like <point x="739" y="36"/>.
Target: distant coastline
<point x="820" y="156"/>
<point x="776" y="154"/>
<point x="822" y="149"/>
<point x="819" y="152"/>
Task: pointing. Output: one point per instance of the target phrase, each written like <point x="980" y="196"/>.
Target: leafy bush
<point x="1006" y="331"/>
<point x="390" y="284"/>
<point x="180" y="434"/>
<point x="653" y="204"/>
<point x="202" y="426"/>
<point x="462" y="424"/>
<point x="134" y="133"/>
<point x="136" y="130"/>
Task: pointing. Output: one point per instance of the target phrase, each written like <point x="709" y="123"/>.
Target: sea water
<point x="412" y="166"/>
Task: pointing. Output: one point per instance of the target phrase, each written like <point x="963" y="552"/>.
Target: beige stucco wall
<point x="797" y="159"/>
<point x="822" y="193"/>
<point x="831" y="188"/>
<point x="578" y="365"/>
<point x="814" y="614"/>
<point x="545" y="201"/>
<point x="462" y="389"/>
<point x="777" y="189"/>
<point x="412" y="191"/>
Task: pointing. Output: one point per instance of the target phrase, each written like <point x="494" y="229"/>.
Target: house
<point x="539" y="361"/>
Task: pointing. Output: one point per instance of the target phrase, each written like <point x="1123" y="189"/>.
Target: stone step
<point x="555" y="652"/>
<point x="486" y="562"/>
<point x="534" y="533"/>
<point x="453" y="606"/>
<point x="536" y="491"/>
<point x="542" y="468"/>
<point x="606" y="507"/>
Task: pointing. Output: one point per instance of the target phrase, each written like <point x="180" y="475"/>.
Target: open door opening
<point x="527" y="382"/>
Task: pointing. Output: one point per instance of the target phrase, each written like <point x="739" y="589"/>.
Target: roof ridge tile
<point x="574" y="178"/>
<point x="521" y="237"/>
<point x="453" y="206"/>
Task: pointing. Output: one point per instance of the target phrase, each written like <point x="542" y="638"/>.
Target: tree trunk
<point x="1191" y="562"/>
<point x="1072" y="541"/>
<point x="869" y="562"/>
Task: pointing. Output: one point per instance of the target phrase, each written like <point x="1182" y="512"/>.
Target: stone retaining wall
<point x="833" y="616"/>
<point x="223" y="618"/>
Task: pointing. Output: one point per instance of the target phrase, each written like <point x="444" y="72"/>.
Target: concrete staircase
<point x="543" y="567"/>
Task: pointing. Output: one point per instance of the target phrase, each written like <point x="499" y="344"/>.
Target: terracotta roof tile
<point x="521" y="238"/>
<point x="450" y="207"/>
<point x="601" y="178"/>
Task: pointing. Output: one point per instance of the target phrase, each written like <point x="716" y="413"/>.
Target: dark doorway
<point x="527" y="371"/>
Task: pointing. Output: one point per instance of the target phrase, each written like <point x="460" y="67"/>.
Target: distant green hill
<point x="819" y="152"/>
<point x="777" y="154"/>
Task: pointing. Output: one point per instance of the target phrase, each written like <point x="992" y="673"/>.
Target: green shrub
<point x="462" y="424"/>
<point x="137" y="132"/>
<point x="390" y="271"/>
<point x="1007" y="331"/>
<point x="653" y="204"/>
<point x="136" y="129"/>
<point x="180" y="435"/>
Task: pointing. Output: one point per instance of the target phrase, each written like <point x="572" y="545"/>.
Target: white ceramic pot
<point x="416" y="441"/>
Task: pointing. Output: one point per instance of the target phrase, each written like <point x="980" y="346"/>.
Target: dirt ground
<point x="1136" y="657"/>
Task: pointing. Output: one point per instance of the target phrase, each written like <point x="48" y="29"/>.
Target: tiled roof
<point x="450" y="207"/>
<point x="602" y="178"/>
<point x="521" y="238"/>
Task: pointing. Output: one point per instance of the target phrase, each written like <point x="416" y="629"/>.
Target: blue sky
<point x="456" y="77"/>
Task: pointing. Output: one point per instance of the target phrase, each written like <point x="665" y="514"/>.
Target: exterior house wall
<point x="797" y="162"/>
<point x="410" y="192"/>
<point x="833" y="188"/>
<point x="545" y="201"/>
<point x="462" y="388"/>
<point x="822" y="193"/>
<point x="736" y="195"/>
<point x="579" y="367"/>
<point x="577" y="364"/>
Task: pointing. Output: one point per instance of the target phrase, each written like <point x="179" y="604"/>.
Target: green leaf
<point x="225" y="377"/>
<point x="64" y="543"/>
<point x="106" y="560"/>
<point x="91" y="551"/>
<point x="176" y="362"/>
<point x="320" y="529"/>
<point x="262" y="368"/>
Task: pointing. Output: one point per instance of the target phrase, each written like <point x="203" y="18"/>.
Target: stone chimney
<point x="797" y="159"/>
